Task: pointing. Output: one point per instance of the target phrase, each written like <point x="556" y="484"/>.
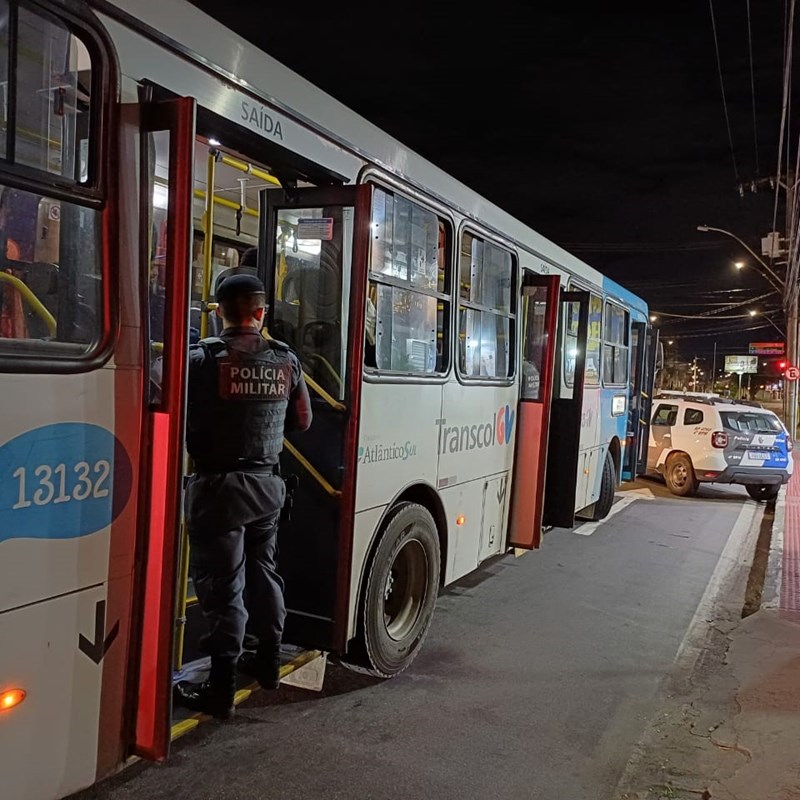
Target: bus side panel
<point x="398" y="439"/>
<point x="591" y="423"/>
<point x="71" y="483"/>
<point x="49" y="741"/>
<point x="476" y="437"/>
<point x="113" y="741"/>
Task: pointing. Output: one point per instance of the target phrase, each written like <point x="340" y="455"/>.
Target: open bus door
<point x="313" y="247"/>
<point x="566" y="411"/>
<point x="644" y="352"/>
<point x="540" y="305"/>
<point x="167" y="134"/>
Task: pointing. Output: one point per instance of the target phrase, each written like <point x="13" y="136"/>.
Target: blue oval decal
<point x="62" y="481"/>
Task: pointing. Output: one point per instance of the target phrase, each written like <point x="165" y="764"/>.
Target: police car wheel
<point x="679" y="475"/>
<point x="761" y="491"/>
<point x="402" y="586"/>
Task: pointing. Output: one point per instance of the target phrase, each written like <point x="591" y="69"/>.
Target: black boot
<point x="213" y="696"/>
<point x="264" y="665"/>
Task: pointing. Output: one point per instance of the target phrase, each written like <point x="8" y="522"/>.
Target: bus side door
<point x="566" y="411"/>
<point x="540" y="306"/>
<point x="643" y="363"/>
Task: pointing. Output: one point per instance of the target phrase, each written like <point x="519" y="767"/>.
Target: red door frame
<point x="162" y="460"/>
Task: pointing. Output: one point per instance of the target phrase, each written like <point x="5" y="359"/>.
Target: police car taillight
<point x="719" y="439"/>
<point x="789" y="444"/>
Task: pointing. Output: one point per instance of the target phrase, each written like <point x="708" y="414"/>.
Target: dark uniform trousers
<point x="232" y="520"/>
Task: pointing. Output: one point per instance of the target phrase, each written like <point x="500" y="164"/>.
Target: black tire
<point x="679" y="475"/>
<point x="762" y="491"/>
<point x="401" y="590"/>
<point x="608" y="485"/>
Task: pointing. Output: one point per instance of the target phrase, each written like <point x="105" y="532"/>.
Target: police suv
<point x="704" y="438"/>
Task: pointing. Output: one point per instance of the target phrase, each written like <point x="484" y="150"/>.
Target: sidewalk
<point x="730" y="729"/>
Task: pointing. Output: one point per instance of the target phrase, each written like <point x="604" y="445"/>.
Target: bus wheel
<point x="401" y="591"/>
<point x="608" y="486"/>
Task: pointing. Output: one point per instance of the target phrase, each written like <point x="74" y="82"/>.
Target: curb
<point x="771" y="594"/>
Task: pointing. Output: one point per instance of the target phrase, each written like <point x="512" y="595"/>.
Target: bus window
<point x="615" y="346"/>
<point x="50" y="260"/>
<point x="592" y="368"/>
<point x="308" y="313"/>
<point x="486" y="309"/>
<point x="51" y="131"/>
<point x="407" y="297"/>
<point x="534" y="318"/>
<point x="592" y="374"/>
<point x="572" y="312"/>
<point x="49" y="271"/>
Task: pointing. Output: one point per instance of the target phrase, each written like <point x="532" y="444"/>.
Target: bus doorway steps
<point x="184" y="721"/>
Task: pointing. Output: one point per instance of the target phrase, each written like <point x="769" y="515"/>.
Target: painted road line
<point x="626" y="498"/>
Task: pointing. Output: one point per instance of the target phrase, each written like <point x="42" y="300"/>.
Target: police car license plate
<point x="761" y="455"/>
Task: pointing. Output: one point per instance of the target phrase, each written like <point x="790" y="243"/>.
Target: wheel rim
<point x="404" y="592"/>
<point x="680" y="475"/>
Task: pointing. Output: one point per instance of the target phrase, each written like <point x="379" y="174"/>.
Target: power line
<point x="752" y="86"/>
<point x="676" y="337"/>
<point x="722" y="87"/>
<point x="641" y="247"/>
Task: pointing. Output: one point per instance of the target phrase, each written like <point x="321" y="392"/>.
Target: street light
<point x="653" y="318"/>
<point x="739" y="264"/>
<point x="753" y="312"/>
<point x="670" y="342"/>
<point x="773" y="276"/>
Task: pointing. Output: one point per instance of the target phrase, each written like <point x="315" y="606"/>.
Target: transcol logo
<point x="459" y="438"/>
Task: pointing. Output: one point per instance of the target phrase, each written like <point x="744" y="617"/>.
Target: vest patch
<point x="253" y="380"/>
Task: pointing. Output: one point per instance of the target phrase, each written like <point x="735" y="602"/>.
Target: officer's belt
<point x="251" y="469"/>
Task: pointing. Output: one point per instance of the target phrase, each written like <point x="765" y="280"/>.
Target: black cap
<point x="235" y="286"/>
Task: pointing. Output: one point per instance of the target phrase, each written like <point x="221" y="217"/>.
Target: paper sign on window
<point x="320" y="228"/>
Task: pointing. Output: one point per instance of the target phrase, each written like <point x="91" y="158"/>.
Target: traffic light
<point x="782" y="365"/>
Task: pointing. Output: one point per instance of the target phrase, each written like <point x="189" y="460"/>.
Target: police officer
<point x="244" y="391"/>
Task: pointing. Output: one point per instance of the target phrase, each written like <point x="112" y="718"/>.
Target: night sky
<point x="604" y="129"/>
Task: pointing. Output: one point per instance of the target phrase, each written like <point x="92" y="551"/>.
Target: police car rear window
<point x="750" y="422"/>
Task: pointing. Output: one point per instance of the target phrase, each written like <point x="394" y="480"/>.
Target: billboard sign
<point x="767" y="348"/>
<point x="741" y="364"/>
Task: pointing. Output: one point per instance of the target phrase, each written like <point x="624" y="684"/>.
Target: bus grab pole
<point x="208" y="252"/>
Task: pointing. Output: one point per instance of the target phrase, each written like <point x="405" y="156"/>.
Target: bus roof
<point x="251" y="69"/>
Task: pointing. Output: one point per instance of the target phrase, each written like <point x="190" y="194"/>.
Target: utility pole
<point x="790" y="306"/>
<point x="714" y="368"/>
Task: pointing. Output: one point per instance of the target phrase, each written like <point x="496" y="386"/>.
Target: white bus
<point x="473" y="384"/>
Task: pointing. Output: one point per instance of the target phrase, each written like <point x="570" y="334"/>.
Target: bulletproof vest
<point x="237" y="409"/>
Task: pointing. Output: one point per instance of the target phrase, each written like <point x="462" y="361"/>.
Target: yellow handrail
<point x="242" y="166"/>
<point x="311" y="470"/>
<point x="208" y="229"/>
<point x="325" y="363"/>
<point x="223" y="201"/>
<point x="33" y="301"/>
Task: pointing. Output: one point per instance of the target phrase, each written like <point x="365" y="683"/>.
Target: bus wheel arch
<point x="399" y="584"/>
<point x="615" y="449"/>
<point x="608" y="484"/>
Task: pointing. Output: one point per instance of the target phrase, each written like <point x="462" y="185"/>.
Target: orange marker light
<point x="460" y="519"/>
<point x="11" y="698"/>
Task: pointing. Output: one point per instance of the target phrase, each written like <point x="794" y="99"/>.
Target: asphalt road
<point x="536" y="680"/>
